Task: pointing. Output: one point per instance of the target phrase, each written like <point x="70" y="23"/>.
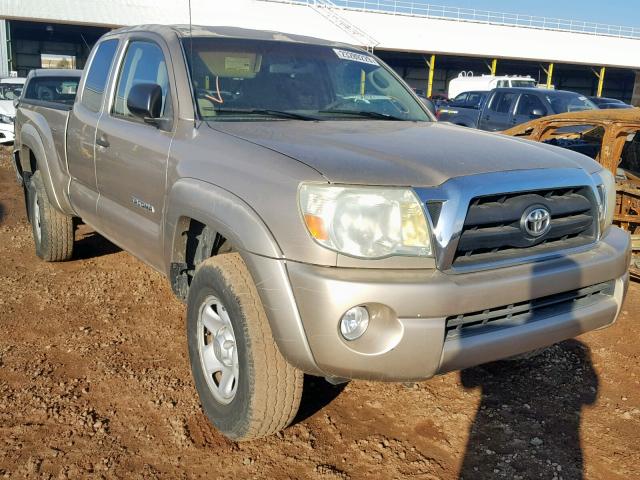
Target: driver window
<point x="143" y="63"/>
<point x="529" y="103"/>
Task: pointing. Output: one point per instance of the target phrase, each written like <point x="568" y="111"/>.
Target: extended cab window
<point x="98" y="74"/>
<point x="52" y="89"/>
<point x="143" y="63"/>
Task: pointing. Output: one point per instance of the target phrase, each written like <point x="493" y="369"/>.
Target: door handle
<point x="102" y="141"/>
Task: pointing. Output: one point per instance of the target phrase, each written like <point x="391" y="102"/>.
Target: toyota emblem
<point x="536" y="221"/>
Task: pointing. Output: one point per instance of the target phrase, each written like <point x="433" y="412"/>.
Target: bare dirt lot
<point x="95" y="383"/>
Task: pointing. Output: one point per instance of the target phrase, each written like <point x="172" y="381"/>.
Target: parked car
<point x="486" y="83"/>
<point x="463" y="110"/>
<point x="10" y="89"/>
<point x="505" y="108"/>
<point x="51" y="87"/>
<point x="613" y="139"/>
<point x="609" y="103"/>
<point x="309" y="231"/>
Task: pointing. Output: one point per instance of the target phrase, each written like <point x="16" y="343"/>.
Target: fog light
<point x="354" y="323"/>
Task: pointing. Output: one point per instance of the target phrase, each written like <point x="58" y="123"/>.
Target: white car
<point x="10" y="90"/>
<point x="468" y="83"/>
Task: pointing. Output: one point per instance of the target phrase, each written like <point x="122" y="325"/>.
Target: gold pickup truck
<point x="314" y="216"/>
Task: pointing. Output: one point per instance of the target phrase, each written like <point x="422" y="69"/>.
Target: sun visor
<point x="232" y="64"/>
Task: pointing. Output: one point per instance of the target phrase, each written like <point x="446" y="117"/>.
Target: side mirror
<point x="145" y="101"/>
<point x="537" y="113"/>
<point x="16" y="102"/>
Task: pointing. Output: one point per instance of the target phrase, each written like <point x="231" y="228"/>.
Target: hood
<point x="7" y="108"/>
<point x="399" y="153"/>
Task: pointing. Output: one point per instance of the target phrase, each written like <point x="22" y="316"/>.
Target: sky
<point x="614" y="12"/>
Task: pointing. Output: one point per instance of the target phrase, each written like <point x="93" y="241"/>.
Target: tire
<point x="265" y="395"/>
<point x="52" y="230"/>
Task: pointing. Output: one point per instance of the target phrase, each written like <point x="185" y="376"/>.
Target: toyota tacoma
<point x="314" y="216"/>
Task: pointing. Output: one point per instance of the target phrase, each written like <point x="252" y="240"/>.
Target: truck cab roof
<point x="185" y="31"/>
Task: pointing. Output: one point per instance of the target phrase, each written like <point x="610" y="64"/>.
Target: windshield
<point x="239" y="79"/>
<point x="10" y="91"/>
<point x="563" y="102"/>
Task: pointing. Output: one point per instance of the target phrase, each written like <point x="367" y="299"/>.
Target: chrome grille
<point x="492" y="229"/>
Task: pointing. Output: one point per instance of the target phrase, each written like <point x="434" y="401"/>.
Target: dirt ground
<point x="95" y="383"/>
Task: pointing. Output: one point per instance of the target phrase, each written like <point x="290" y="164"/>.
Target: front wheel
<point x="247" y="389"/>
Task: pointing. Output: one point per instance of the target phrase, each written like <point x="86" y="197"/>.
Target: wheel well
<point x="196" y="243"/>
<point x="33" y="163"/>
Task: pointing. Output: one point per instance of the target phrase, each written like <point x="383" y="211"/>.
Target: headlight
<point x="6" y="119"/>
<point x="606" y="183"/>
<point x="366" y="222"/>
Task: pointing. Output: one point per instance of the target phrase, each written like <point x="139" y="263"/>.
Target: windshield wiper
<point x="266" y="111"/>
<point x="356" y="113"/>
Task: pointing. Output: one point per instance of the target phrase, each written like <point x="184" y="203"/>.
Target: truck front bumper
<point x="408" y="338"/>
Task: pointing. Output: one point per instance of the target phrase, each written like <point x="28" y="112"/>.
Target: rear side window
<point x="98" y="74"/>
<point x="143" y="63"/>
<point x="52" y="89"/>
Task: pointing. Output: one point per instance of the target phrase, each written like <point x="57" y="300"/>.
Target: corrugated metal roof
<point x="99" y="12"/>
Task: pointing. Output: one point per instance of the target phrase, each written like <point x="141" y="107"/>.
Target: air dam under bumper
<point x="407" y="336"/>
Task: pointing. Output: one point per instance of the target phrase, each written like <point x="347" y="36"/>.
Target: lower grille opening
<point x="480" y="322"/>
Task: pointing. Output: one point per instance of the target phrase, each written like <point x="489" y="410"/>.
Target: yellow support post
<point x="601" y="80"/>
<point x="363" y="82"/>
<point x="550" y="75"/>
<point x="432" y="66"/>
<point x="494" y="66"/>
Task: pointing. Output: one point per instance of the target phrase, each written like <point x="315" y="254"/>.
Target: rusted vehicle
<point x="611" y="137"/>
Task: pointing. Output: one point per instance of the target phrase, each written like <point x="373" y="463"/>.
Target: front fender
<point x="53" y="171"/>
<point x="231" y="217"/>
<point x="220" y="210"/>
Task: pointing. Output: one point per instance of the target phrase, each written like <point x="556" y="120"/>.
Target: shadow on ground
<point x="528" y="421"/>
<point x="317" y="393"/>
<point x="3" y="212"/>
<point x="92" y="245"/>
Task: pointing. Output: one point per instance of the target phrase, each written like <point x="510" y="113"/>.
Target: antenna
<point x="195" y="100"/>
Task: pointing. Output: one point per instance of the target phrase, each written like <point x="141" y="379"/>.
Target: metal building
<point x="426" y="44"/>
